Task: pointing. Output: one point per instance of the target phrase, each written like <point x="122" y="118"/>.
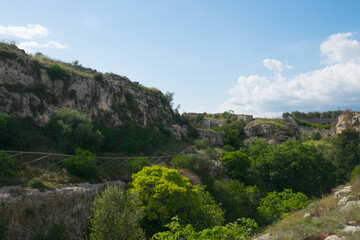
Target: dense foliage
<point x="116" y="216"/>
<point x="72" y="129"/>
<point x="82" y="165"/>
<point x="276" y="205"/>
<point x="240" y="229"/>
<point x="165" y="194"/>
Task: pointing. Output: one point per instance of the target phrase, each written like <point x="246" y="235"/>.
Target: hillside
<point x="36" y="86"/>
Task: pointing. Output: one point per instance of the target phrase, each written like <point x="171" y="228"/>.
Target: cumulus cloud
<point x="276" y="66"/>
<point x="336" y="84"/>
<point x="33" y="46"/>
<point x="38" y="35"/>
<point x="30" y="31"/>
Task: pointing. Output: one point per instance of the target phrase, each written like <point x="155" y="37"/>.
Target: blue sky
<point x="254" y="57"/>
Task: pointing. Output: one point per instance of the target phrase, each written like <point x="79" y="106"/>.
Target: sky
<point x="256" y="57"/>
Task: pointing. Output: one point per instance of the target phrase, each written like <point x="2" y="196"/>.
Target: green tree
<point x="237" y="199"/>
<point x="241" y="229"/>
<point x="277" y="205"/>
<point x="165" y="194"/>
<point x="301" y="167"/>
<point x="238" y="164"/>
<point x="8" y="166"/>
<point x="233" y="133"/>
<point x="315" y="135"/>
<point x="82" y="165"/>
<point x="138" y="163"/>
<point x="72" y="129"/>
<point x="116" y="216"/>
<point x="345" y="152"/>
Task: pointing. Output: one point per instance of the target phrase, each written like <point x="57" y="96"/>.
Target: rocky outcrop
<point x="28" y="89"/>
<point x="29" y="212"/>
<point x="271" y="131"/>
<point x="348" y="120"/>
<point x="215" y="138"/>
<point x="177" y="132"/>
<point x="207" y="123"/>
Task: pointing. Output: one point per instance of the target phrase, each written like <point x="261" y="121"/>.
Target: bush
<point x="238" y="164"/>
<point x="237" y="199"/>
<point x="203" y="143"/>
<point x="116" y="216"/>
<point x="315" y="135"/>
<point x="40" y="184"/>
<point x="277" y="205"/>
<point x="3" y="230"/>
<point x="241" y="229"/>
<point x="58" y="73"/>
<point x="72" y="129"/>
<point x="99" y="77"/>
<point x="7" y="165"/>
<point x="355" y="173"/>
<point x="138" y="163"/>
<point x="83" y="165"/>
<point x="228" y="148"/>
<point x="165" y="194"/>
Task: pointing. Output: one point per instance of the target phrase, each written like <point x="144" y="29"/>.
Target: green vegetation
<point x="8" y="166"/>
<point x="313" y="125"/>
<point x="240" y="229"/>
<point x="40" y="184"/>
<point x="138" y="163"/>
<point x="116" y="216"/>
<point x="82" y="165"/>
<point x="165" y="194"/>
<point x="58" y="73"/>
<point x="71" y="129"/>
<point x="238" y="164"/>
<point x="277" y="205"/>
<point x="3" y="230"/>
<point x="312" y="115"/>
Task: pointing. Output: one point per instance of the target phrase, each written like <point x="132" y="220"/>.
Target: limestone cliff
<point x="29" y="213"/>
<point x="27" y="88"/>
<point x="347" y="120"/>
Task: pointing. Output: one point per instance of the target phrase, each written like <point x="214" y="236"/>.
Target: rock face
<point x="274" y="133"/>
<point x="207" y="123"/>
<point x="215" y="138"/>
<point x="177" y="132"/>
<point x="27" y="89"/>
<point x="28" y="212"/>
<point x="347" y="120"/>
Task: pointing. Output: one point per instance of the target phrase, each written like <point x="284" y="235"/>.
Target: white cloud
<point x="276" y="66"/>
<point x="28" y="46"/>
<point x="31" y="31"/>
<point x="337" y="84"/>
<point x="33" y="46"/>
<point x="339" y="48"/>
<point x="54" y="44"/>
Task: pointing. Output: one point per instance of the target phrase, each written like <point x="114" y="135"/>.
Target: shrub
<point x="277" y="205"/>
<point x="39" y="184"/>
<point x="315" y="135"/>
<point x="237" y="199"/>
<point x="138" y="163"/>
<point x="57" y="232"/>
<point x="241" y="229"/>
<point x="116" y="216"/>
<point x="238" y="164"/>
<point x="7" y="165"/>
<point x="203" y="143"/>
<point x="355" y="173"/>
<point x="72" y="129"/>
<point x="58" y="73"/>
<point x="165" y="194"/>
<point x="99" y="77"/>
<point x="82" y="165"/>
<point x="228" y="148"/>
